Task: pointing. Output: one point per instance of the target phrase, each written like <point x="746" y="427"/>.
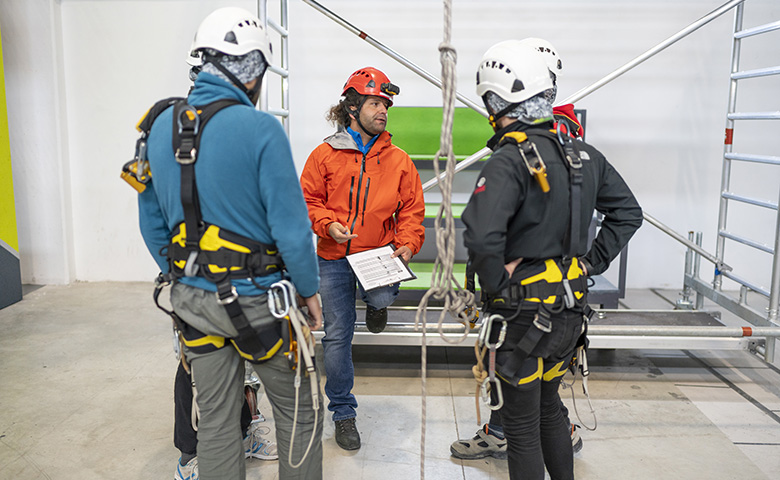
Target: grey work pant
<point x="219" y="379"/>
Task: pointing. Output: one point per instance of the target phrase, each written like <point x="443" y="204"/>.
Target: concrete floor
<point x="86" y="387"/>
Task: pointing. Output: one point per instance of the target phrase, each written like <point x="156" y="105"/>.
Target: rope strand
<point x="444" y="286"/>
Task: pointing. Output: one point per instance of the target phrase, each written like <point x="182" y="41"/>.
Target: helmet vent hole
<point x="371" y="84"/>
<point x="517" y="86"/>
<point x="230" y="37"/>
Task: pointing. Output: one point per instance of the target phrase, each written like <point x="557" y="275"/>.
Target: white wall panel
<point x="661" y="124"/>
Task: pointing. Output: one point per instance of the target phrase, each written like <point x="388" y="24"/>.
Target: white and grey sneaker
<point x="482" y="445"/>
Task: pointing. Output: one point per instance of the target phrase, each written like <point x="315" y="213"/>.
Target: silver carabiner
<point x="280" y="296"/>
<point x="501" y="334"/>
<point x="487" y="326"/>
<point x="486" y="394"/>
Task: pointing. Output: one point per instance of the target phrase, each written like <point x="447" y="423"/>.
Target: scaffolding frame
<point x="692" y="281"/>
<point x="282" y="66"/>
<point x="695" y="252"/>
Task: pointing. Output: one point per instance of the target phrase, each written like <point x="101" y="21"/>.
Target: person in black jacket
<point x="526" y="234"/>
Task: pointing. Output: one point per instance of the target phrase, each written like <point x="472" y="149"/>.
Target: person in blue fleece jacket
<point x="248" y="188"/>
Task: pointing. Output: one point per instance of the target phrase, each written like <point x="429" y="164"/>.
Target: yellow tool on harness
<point x="533" y="161"/>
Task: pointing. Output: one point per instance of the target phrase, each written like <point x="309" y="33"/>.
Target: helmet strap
<point x="494" y="117"/>
<point x="356" y="115"/>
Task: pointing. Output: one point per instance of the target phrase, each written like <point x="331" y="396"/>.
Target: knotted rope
<point x="456" y="299"/>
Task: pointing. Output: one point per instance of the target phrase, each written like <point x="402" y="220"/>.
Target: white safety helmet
<point x="548" y="52"/>
<point x="232" y="31"/>
<point x="513" y="71"/>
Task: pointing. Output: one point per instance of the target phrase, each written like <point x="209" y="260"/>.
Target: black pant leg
<point x="185" y="438"/>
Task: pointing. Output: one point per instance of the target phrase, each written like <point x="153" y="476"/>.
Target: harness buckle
<point x="193" y="128"/>
<point x="187" y="159"/>
<point x="543" y="323"/>
<point x="226" y="298"/>
<point x="568" y="299"/>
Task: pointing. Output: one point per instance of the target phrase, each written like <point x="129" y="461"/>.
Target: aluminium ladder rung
<point x="749" y="32"/>
<point x="759" y="72"/>
<point x="754" y="116"/>
<point x="279" y="71"/>
<point x="279" y="112"/>
<point x="746" y="157"/>
<point x="751" y="201"/>
<point x="279" y="29"/>
<point x="747" y="241"/>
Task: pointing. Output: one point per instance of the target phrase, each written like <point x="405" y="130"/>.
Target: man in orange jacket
<point x="363" y="192"/>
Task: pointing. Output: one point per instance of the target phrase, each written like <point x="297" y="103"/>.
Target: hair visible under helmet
<point x="232" y="44"/>
<point x="359" y="86"/>
<point x="551" y="57"/>
<point x="511" y="80"/>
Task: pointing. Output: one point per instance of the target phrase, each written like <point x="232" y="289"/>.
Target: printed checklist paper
<point x="375" y="268"/>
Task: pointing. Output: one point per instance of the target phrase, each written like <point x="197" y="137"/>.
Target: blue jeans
<point x="338" y="287"/>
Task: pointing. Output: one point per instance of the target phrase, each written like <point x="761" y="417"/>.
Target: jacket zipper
<point x="351" y="186"/>
<point x="357" y="200"/>
<point x="365" y="201"/>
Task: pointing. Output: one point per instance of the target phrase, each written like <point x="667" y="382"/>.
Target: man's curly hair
<point x="338" y="115"/>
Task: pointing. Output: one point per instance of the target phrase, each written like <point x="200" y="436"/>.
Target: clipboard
<point x="375" y="268"/>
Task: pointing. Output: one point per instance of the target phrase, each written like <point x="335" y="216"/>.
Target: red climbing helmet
<point x="371" y="81"/>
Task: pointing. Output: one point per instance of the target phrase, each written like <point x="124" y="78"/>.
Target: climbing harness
<point x="282" y="304"/>
<point x="206" y="250"/>
<point x="549" y="287"/>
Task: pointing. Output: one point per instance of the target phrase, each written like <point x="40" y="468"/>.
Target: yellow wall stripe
<point x="8" y="232"/>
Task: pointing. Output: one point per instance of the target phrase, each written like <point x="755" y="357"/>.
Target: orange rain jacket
<point x="377" y="196"/>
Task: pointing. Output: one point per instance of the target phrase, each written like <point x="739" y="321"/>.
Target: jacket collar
<point x="517" y="126"/>
<point x="210" y="88"/>
<point x="342" y="140"/>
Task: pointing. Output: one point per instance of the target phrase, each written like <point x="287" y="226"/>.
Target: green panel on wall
<point x="417" y="130"/>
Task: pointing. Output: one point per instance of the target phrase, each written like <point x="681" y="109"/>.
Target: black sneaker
<point x="347" y="435"/>
<point x="376" y="320"/>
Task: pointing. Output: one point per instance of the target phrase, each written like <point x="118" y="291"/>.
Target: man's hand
<point x="403" y="252"/>
<point x="315" y="311"/>
<point x="340" y="233"/>
<point x="510" y="267"/>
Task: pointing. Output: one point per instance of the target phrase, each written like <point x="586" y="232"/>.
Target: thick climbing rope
<point x="456" y="299"/>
